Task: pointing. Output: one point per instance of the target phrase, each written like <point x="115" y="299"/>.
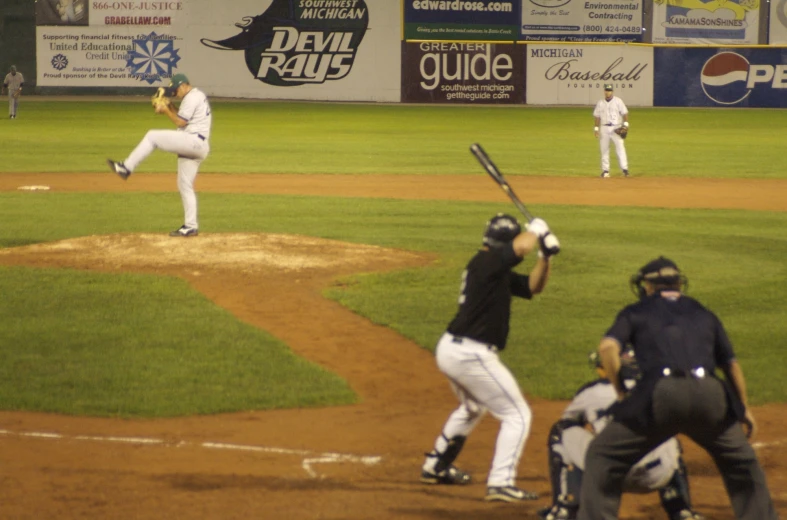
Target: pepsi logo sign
<point x="728" y="78"/>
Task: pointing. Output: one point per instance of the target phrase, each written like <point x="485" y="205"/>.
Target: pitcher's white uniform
<point x="190" y="143"/>
<point x="610" y="113"/>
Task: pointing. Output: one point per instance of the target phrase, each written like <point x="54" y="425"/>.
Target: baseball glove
<point x="622" y="131"/>
<point x="160" y="98"/>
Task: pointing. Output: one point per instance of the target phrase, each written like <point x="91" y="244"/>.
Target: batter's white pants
<point x="191" y="150"/>
<point x="605" y="135"/>
<point x="482" y="382"/>
<point x="652" y="472"/>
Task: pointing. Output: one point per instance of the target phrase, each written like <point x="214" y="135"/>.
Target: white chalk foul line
<point x="760" y="445"/>
<point x="309" y="458"/>
<point x="308" y="461"/>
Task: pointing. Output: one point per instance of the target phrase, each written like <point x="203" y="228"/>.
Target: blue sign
<point x="720" y="77"/>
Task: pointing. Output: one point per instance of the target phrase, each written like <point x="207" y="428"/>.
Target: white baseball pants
<point x="13" y="104"/>
<point x="652" y="472"/>
<point x="607" y="134"/>
<point x="191" y="150"/>
<point x="482" y="382"/>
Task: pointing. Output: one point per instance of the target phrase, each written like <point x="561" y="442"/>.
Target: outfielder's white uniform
<point x="610" y="114"/>
<point x="651" y="473"/>
<point x="13" y="82"/>
<point x="190" y="143"/>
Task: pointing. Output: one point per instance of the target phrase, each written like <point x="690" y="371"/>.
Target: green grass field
<point x="266" y="137"/>
<point x="88" y="343"/>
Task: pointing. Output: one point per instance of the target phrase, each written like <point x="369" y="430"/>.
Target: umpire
<point x="678" y="344"/>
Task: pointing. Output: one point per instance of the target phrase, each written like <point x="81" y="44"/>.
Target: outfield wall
<point x="538" y="52"/>
<point x="244" y="49"/>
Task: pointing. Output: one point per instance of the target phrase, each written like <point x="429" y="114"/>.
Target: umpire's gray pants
<point x="698" y="409"/>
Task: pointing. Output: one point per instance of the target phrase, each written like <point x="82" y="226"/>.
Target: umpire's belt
<point x="459" y="339"/>
<point x="697" y="373"/>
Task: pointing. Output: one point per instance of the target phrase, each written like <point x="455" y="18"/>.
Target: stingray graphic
<point x="336" y="30"/>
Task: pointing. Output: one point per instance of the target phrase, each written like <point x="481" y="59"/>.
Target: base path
<point x="764" y="195"/>
<point x="352" y="463"/>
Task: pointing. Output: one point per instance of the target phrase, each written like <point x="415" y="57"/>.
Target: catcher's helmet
<point x="661" y="271"/>
<point x="629" y="368"/>
<point x="500" y="230"/>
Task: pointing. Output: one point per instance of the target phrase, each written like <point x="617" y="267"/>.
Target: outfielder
<point x="13" y="84"/>
<point x="660" y="470"/>
<point x="467" y="354"/>
<point x="612" y="123"/>
<point x="190" y="143"/>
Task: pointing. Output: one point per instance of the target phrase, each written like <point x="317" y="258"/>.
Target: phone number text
<point x="138" y="6"/>
<point x="612" y="29"/>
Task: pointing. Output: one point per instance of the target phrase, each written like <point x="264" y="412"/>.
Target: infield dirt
<point x="310" y="464"/>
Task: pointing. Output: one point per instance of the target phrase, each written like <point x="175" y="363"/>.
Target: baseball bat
<point x="494" y="172"/>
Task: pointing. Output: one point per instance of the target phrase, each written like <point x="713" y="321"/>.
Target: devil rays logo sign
<point x="309" y="43"/>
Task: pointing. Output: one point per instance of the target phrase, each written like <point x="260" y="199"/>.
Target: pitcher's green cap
<point x="178" y="80"/>
<point x="608" y="86"/>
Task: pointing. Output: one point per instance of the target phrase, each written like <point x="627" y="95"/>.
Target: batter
<point x="467" y="354"/>
<point x="190" y="143"/>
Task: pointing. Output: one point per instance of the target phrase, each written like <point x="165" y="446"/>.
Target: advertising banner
<point x="777" y="34"/>
<point x="117" y="44"/>
<point x="582" y="20"/>
<point x="706" y="22"/>
<point x="576" y="74"/>
<point x="277" y="49"/>
<point x="470" y="73"/>
<point x="489" y="20"/>
<point x="718" y="77"/>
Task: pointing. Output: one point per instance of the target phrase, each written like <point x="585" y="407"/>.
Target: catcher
<point x="13" y="84"/>
<point x="189" y="142"/>
<point x="612" y="124"/>
<point x="660" y="470"/>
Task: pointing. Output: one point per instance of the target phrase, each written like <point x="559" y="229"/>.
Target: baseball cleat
<point x="451" y="476"/>
<point x="557" y="513"/>
<point x="605" y="175"/>
<point x="508" y="494"/>
<point x="625" y="173"/>
<point x="687" y="514"/>
<point x="184" y="231"/>
<point x="119" y="168"/>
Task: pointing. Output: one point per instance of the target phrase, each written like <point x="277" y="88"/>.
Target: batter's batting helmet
<point x="500" y="230"/>
<point x="661" y="271"/>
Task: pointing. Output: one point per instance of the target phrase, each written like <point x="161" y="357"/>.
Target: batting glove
<point x="538" y="227"/>
<point x="549" y="244"/>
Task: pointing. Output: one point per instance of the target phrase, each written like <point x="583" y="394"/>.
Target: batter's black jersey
<point x="485" y="297"/>
<point x="675" y="332"/>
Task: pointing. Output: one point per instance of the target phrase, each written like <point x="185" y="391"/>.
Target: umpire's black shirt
<point x="668" y="330"/>
<point x="485" y="300"/>
<point x="671" y="330"/>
